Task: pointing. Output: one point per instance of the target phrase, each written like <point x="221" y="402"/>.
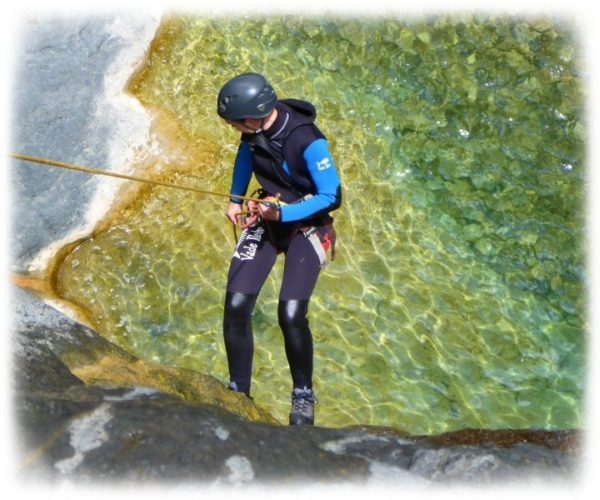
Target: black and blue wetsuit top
<point x="291" y="158"/>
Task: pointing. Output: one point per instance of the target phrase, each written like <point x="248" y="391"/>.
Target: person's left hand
<point x="267" y="212"/>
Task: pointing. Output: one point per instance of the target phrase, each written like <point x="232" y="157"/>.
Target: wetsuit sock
<point x="239" y="342"/>
<point x="298" y="340"/>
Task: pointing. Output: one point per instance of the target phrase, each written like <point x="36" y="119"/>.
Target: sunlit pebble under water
<point x="566" y="167"/>
<point x="435" y="314"/>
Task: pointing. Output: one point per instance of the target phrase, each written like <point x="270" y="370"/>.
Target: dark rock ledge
<point x="132" y="421"/>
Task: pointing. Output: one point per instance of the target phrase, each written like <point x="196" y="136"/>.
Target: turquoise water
<point x="458" y="295"/>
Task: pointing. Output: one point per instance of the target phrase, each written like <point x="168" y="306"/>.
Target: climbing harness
<point x="321" y="243"/>
<point x="322" y="238"/>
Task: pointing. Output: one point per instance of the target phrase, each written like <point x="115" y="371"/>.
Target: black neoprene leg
<point x="298" y="340"/>
<point x="253" y="259"/>
<point x="299" y="278"/>
<point x="239" y="342"/>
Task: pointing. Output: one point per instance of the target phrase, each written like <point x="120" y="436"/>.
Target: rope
<point x="93" y="171"/>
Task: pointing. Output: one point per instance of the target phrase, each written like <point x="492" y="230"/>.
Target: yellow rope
<point x="93" y="171"/>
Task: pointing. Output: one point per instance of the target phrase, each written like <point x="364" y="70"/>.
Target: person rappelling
<point x="289" y="156"/>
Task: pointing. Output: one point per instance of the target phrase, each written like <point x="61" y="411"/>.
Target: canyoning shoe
<point x="303" y="407"/>
<point x="232" y="386"/>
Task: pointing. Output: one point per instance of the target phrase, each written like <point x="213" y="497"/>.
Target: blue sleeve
<point x="327" y="183"/>
<point x="242" y="172"/>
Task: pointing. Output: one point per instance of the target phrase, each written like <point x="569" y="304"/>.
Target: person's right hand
<point x="232" y="210"/>
<point x="254" y="214"/>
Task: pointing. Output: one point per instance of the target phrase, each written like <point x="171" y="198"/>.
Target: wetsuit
<point x="291" y="159"/>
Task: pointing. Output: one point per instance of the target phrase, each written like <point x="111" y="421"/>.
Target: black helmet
<point x="246" y="96"/>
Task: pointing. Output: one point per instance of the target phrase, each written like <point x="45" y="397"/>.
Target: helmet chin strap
<point x="262" y="124"/>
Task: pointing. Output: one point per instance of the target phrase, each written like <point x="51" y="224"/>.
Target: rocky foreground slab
<point x="134" y="421"/>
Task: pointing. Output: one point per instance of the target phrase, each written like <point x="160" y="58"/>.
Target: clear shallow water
<point x="457" y="298"/>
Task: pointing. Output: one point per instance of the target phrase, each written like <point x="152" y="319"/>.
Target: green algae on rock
<point x="457" y="298"/>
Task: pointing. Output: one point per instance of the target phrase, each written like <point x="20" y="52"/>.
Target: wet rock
<point x="469" y="456"/>
<point x="129" y="428"/>
<point x="68" y="429"/>
<point x="53" y="352"/>
<point x="122" y="436"/>
<point x="156" y="437"/>
<point x="491" y="464"/>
